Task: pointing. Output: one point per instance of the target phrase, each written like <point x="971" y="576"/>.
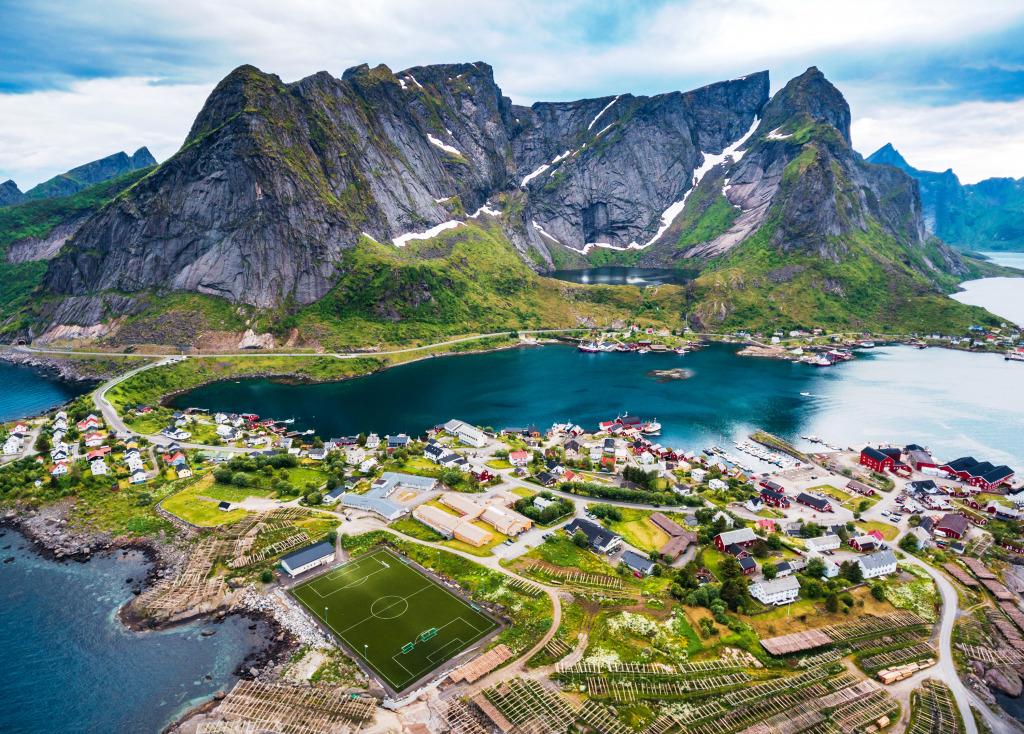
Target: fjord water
<point x="69" y="664"/>
<point x="28" y="391"/>
<point x="640" y="277"/>
<point x="954" y="402"/>
<point x="1002" y="296"/>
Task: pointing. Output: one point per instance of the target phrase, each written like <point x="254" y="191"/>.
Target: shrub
<point x="267" y="577"/>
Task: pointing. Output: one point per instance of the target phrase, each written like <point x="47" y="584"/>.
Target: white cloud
<point x="976" y="139"/>
<point x="46" y="133"/>
<point x="538" y="48"/>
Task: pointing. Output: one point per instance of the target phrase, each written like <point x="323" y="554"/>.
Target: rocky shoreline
<point x="66" y="368"/>
<point x="47" y="532"/>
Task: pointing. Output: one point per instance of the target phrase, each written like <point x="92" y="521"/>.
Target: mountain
<point x="425" y="202"/>
<point x="988" y="215"/>
<point x="73" y="181"/>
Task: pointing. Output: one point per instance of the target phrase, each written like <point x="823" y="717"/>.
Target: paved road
<point x="274" y="353"/>
<point x="963" y="695"/>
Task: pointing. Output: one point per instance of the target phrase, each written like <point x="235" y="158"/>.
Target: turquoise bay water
<point x="1002" y="296"/>
<point x="69" y="664"/>
<point x="28" y="391"/>
<point x="954" y="402"/>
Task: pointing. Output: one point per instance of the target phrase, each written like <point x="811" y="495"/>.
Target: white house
<point x="877" y="564"/>
<point x="698" y="475"/>
<point x="466" y="433"/>
<point x="93" y="440"/>
<point x="59" y="469"/>
<point x="138" y="477"/>
<point x="367" y="465"/>
<point x="220" y="418"/>
<point x="184" y="472"/>
<point x="305" y="559"/>
<point x="226" y="431"/>
<point x="776" y="592"/>
<point x="924" y="538"/>
<point x="13" y="444"/>
<point x="372" y="441"/>
<point x="831" y="569"/>
<point x="542" y="504"/>
<point x="98" y="467"/>
<point x="824" y="543"/>
<point x="754" y="504"/>
<point x="355" y="455"/>
<point x="718" y="484"/>
<point x="728" y="520"/>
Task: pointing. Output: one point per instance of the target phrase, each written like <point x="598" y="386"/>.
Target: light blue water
<point x="28" y="391"/>
<point x="70" y="666"/>
<point x="954" y="402"/>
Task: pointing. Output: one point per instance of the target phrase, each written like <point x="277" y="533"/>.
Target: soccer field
<point x="399" y="622"/>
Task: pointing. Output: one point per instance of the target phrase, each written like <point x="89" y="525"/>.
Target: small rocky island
<point x="677" y="373"/>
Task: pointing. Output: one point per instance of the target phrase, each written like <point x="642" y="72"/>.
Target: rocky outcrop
<point x="44" y="248"/>
<point x="252" y="340"/>
<point x="1006" y="680"/>
<point x="10" y="193"/>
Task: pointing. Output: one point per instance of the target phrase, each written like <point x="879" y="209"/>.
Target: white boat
<point x="589" y="347"/>
<point x="651" y="429"/>
<point x="806" y="394"/>
<point x="868" y="345"/>
<point x="642" y="351"/>
<point x="1015" y="355"/>
<point x="822" y="362"/>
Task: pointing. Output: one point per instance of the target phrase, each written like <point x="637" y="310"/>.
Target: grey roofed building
<point x="877" y="560"/>
<point x="375" y="500"/>
<point x="305" y="556"/>
<point x="598" y="537"/>
<point x="637" y="562"/>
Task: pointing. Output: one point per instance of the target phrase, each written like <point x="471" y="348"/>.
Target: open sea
<point x="70" y="666"/>
<point x="28" y="391"/>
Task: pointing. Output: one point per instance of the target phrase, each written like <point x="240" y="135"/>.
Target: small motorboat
<point x="806" y="394"/>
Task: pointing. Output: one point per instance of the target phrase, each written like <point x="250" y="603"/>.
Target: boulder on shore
<point x="1005" y="680"/>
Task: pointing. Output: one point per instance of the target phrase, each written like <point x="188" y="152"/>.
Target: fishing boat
<point x="806" y="394"/>
<point x="823" y="362"/>
<point x="642" y="350"/>
<point x="1015" y="355"/>
<point x="680" y="350"/>
<point x="652" y="429"/>
<point x="867" y="345"/>
<point x="589" y="347"/>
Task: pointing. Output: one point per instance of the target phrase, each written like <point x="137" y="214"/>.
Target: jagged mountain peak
<point x="809" y="97"/>
<point x="889" y="156"/>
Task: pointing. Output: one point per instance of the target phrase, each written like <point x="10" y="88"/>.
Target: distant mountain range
<point x="73" y="181"/>
<point x="988" y="215"/>
<point x="389" y="205"/>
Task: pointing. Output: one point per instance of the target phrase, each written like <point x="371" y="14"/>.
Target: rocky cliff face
<point x="10" y="193"/>
<point x="276" y="181"/>
<point x="985" y="215"/>
<point x="284" y="194"/>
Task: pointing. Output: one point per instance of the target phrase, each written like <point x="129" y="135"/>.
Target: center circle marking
<point x="389" y="607"/>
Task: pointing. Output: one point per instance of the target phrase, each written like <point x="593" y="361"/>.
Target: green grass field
<point x="379" y="602"/>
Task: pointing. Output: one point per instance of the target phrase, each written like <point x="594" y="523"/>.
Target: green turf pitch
<point x="378" y="601"/>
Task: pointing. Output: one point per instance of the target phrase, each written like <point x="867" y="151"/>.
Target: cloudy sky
<point x="943" y="80"/>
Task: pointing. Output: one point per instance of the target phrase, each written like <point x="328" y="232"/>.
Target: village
<point x="639" y="587"/>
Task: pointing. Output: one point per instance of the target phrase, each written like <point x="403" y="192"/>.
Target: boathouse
<point x="879" y="460"/>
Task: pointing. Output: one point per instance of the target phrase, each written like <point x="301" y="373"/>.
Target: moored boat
<point x="589" y="347"/>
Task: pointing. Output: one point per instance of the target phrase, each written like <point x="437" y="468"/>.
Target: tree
<point x="314" y="498"/>
<point x="223" y="475"/>
<point x="657" y="570"/>
<point x="813" y="589"/>
<point x="914" y="520"/>
<point x="853" y="573"/>
<point x="908" y="543"/>
<point x="864" y="505"/>
<point x="759" y="549"/>
<point x="832" y="603"/>
<point x="775" y="542"/>
<point x="770" y="571"/>
<point x="43" y="444"/>
<point x="579" y="539"/>
<point x="815" y="568"/>
<point x="878" y="591"/>
<point x="267" y="577"/>
<point x="734" y="591"/>
<point x="451" y="477"/>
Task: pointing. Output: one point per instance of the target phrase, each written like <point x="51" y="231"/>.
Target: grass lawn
<point x="888" y="530"/>
<point x="770" y="513"/>
<point x="831" y="491"/>
<point x="398" y="621"/>
<point x="187" y="505"/>
<point x="498" y="464"/>
<point x="523" y="491"/>
<point x="808" y="614"/>
<point x="637" y="529"/>
<point x="416" y="529"/>
<point x="561" y="552"/>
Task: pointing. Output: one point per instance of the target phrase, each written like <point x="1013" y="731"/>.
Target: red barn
<point x="951" y="526"/>
<point x="775" y="499"/>
<point x="879" y="460"/>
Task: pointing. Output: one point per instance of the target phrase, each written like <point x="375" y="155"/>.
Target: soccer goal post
<point x="408" y="647"/>
<point x="428" y="634"/>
